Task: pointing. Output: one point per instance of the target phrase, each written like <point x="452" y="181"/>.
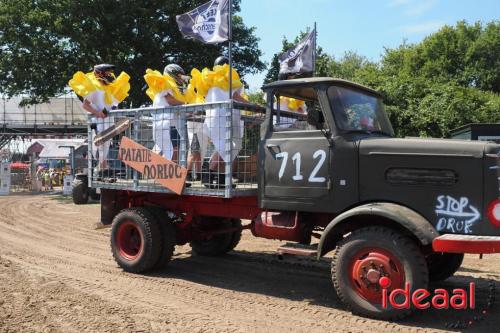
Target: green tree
<point x="44" y="42"/>
<point x="448" y="80"/>
<point x="256" y="97"/>
<point x="348" y="66"/>
<point x="465" y="54"/>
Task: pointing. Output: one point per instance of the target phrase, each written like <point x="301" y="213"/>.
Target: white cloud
<point x="420" y="7"/>
<point x="396" y="3"/>
<point x="425" y="27"/>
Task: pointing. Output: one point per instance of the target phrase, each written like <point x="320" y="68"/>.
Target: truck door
<point x="296" y="159"/>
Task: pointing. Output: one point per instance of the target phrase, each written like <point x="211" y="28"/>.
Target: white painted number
<point x="283" y="155"/>
<point x="312" y="177"/>
<point x="296" y="159"/>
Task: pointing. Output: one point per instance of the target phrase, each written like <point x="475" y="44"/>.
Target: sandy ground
<point x="57" y="275"/>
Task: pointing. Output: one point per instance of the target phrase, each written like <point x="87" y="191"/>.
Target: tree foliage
<point x="450" y="79"/>
<point x="44" y="42"/>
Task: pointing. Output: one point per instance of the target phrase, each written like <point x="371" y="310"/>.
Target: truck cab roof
<point x="294" y="86"/>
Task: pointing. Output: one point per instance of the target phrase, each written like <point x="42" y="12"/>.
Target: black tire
<point x="167" y="230"/>
<point x="443" y="265"/>
<point x="94" y="195"/>
<point x="219" y="244"/>
<point x="406" y="263"/>
<point x="236" y="235"/>
<point x="80" y="192"/>
<point x="135" y="240"/>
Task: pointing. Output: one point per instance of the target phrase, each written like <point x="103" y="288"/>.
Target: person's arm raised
<point x="238" y="98"/>
<point x="173" y="101"/>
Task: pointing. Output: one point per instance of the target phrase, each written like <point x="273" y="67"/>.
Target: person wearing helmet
<point x="100" y="92"/>
<point x="215" y="119"/>
<point x="166" y="90"/>
<point x="221" y="61"/>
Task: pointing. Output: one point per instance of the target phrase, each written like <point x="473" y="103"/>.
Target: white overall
<point x="215" y="121"/>
<point x="162" y="123"/>
<point x="97" y="101"/>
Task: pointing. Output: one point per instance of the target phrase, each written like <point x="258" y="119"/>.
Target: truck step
<point x="298" y="249"/>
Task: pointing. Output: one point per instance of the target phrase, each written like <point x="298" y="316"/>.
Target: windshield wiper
<point x="379" y="132"/>
<point x="368" y="132"/>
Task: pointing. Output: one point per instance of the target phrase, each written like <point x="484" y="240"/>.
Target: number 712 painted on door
<point x="296" y="160"/>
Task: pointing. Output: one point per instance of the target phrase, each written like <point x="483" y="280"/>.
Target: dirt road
<point x="57" y="275"/>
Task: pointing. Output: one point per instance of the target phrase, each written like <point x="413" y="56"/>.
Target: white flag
<point x="207" y="23"/>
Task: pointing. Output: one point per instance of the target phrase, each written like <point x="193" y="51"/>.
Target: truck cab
<point x="344" y="154"/>
<point x="311" y="163"/>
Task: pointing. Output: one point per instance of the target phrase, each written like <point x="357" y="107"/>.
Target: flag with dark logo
<point x="207" y="23"/>
<point x="300" y="58"/>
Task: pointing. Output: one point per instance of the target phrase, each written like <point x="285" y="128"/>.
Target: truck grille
<point x="414" y="176"/>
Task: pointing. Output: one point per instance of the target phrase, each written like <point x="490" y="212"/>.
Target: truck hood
<point x="423" y="146"/>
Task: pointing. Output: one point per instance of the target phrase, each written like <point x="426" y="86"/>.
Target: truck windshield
<point x="356" y="111"/>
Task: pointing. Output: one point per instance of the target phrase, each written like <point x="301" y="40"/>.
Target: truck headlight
<point x="494" y="212"/>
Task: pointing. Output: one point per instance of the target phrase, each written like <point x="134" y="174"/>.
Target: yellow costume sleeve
<point x="120" y="87"/>
<point x="199" y="81"/>
<point x="192" y="97"/>
<point x="220" y="78"/>
<point x="295" y="104"/>
<point x="82" y="84"/>
<point x="157" y="82"/>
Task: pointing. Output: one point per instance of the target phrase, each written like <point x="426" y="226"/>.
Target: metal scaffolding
<point x="60" y="117"/>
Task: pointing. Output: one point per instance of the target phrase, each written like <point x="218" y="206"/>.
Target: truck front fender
<point x="383" y="213"/>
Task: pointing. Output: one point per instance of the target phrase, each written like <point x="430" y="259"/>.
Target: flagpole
<point x="230" y="25"/>
<point x="229" y="113"/>
<point x="314" y="50"/>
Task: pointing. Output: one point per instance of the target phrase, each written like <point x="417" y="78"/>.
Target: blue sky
<point x="362" y="25"/>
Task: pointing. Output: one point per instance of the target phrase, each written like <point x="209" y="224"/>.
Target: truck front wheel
<point x="218" y="244"/>
<point x="366" y="256"/>
<point x="443" y="265"/>
<point x="136" y="240"/>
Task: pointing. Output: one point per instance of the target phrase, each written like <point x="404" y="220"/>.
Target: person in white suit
<point x="215" y="121"/>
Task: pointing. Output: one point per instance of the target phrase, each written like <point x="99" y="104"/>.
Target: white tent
<point x="51" y="149"/>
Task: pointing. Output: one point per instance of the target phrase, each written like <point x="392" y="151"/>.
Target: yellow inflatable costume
<point x="101" y="96"/>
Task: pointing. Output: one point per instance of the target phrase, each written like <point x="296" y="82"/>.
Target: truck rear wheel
<point x="364" y="257"/>
<point x="443" y="265"/>
<point x="80" y="192"/>
<point x="94" y="195"/>
<point x="167" y="231"/>
<point x="218" y="244"/>
<point x="135" y="240"/>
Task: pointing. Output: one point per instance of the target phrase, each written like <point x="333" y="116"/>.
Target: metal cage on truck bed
<point x="190" y="127"/>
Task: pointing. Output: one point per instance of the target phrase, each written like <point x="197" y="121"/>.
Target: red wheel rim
<point x="129" y="240"/>
<point x="368" y="266"/>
